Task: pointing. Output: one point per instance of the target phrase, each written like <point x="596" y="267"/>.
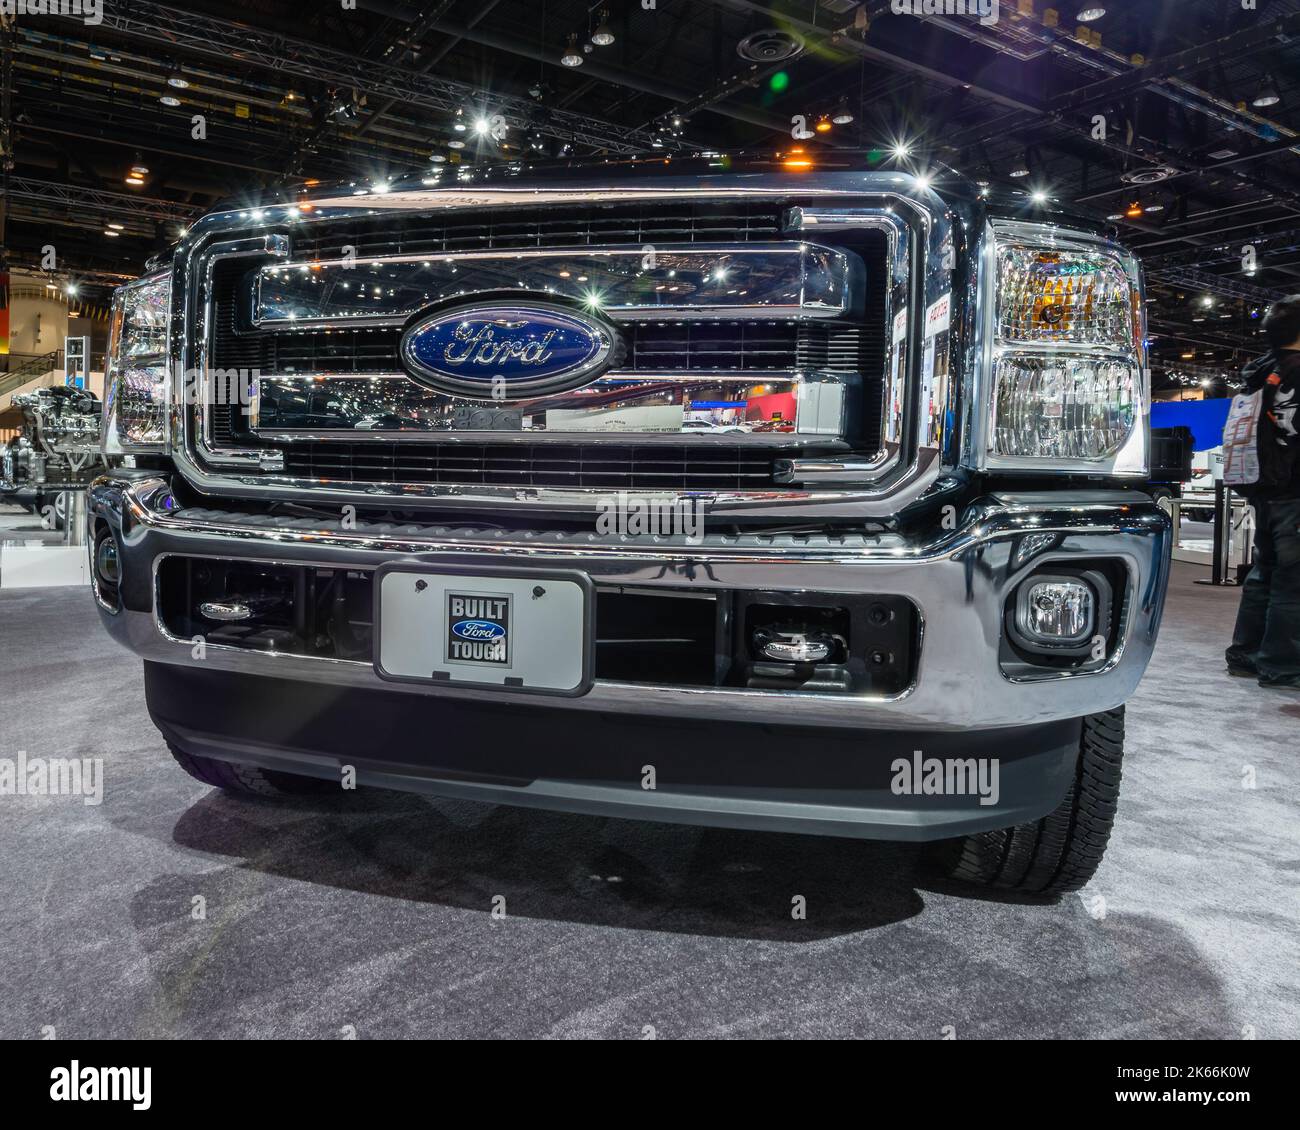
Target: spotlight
<point x="572" y="57"/>
<point x="1268" y="95"/>
<point x="455" y="143"/>
<point x="458" y="124"/>
<point x="71" y="290"/>
<point x="823" y="124"/>
<point x="178" y="80"/>
<point x="481" y="127"/>
<point x="902" y="149"/>
<point x="1090" y="12"/>
<point x="117" y="226"/>
<point x="602" y="36"/>
<point x="843" y="115"/>
<point x="1038" y="196"/>
<point x="1134" y="210"/>
<point x="1020" y="168"/>
<point x="110" y="232"/>
<point x="169" y="100"/>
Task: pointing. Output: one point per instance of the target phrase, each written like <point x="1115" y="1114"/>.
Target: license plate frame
<point x="546" y="619"/>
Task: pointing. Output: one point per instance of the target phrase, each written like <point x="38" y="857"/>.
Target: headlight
<point x="1068" y="387"/>
<point x="137" y="357"/>
<point x="1063" y="408"/>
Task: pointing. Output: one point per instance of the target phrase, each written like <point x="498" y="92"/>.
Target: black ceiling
<point x="327" y="90"/>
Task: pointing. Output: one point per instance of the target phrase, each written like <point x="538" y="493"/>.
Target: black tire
<point x="249" y="780"/>
<point x="1061" y="852"/>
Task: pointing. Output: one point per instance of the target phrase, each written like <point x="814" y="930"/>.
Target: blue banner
<point x="1205" y="417"/>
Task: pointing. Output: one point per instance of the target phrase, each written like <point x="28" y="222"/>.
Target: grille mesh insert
<point x="584" y="225"/>
<point x="589" y="466"/>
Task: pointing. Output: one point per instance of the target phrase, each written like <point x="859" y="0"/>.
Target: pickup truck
<point x="415" y="501"/>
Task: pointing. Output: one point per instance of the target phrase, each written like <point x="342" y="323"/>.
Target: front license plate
<point x="485" y="628"/>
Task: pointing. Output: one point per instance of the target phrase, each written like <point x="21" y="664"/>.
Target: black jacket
<point x="1279" y="426"/>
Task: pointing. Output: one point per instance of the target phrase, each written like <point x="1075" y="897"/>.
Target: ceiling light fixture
<point x="843" y="115"/>
<point x="169" y="100"/>
<point x="1090" y="12"/>
<point x="1020" y="168"/>
<point x="1268" y="95"/>
<point x="602" y="36"/>
<point x="1134" y="211"/>
<point x="572" y="57"/>
<point x="178" y="80"/>
<point x="823" y="124"/>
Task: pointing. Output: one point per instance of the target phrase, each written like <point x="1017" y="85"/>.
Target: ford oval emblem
<point x="508" y="350"/>
<point x="478" y="630"/>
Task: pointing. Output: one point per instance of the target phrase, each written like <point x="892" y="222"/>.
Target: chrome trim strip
<point x="273" y="244"/>
<point x="821" y="404"/>
<point x="621" y="282"/>
<point x="896" y="327"/>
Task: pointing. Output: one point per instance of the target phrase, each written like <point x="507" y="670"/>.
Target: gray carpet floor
<point x="371" y="915"/>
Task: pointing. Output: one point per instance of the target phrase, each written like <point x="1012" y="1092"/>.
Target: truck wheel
<point x="249" y="779"/>
<point x="1060" y="852"/>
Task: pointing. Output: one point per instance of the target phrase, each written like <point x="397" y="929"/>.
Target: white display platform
<point x="43" y="566"/>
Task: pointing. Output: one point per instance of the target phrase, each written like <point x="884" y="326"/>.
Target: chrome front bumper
<point x="959" y="580"/>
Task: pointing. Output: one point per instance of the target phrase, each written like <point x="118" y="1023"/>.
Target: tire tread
<point x="1062" y="851"/>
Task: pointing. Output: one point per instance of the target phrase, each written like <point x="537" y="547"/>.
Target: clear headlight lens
<point x="1063" y="408"/>
<point x="1068" y="389"/>
<point x="137" y="349"/>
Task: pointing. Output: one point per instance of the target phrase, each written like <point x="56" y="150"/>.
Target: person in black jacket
<point x="1266" y="642"/>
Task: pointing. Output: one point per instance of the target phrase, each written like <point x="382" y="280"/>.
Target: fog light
<point x="107" y="565"/>
<point x="1057" y="610"/>
<point x="795" y="645"/>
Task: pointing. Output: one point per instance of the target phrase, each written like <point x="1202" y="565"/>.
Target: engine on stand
<point x="47" y="467"/>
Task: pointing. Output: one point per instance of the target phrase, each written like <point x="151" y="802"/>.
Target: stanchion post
<point x="1222" y="537"/>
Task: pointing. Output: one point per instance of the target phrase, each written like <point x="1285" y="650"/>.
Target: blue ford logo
<point x="508" y="351"/>
<point x="478" y="630"/>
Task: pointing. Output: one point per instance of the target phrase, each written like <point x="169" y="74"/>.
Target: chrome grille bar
<point x="785" y="280"/>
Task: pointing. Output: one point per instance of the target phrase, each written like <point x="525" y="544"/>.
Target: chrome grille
<point x="655" y="346"/>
